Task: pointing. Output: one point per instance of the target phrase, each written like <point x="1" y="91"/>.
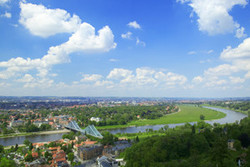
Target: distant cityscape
<point x="37" y="102"/>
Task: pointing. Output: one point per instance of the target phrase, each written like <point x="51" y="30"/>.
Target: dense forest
<point x="205" y="146"/>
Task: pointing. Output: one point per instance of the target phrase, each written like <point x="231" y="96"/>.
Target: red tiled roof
<point x="90" y="142"/>
<point x="35" y="154"/>
<point x="60" y="159"/>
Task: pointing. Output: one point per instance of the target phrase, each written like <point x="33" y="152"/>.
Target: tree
<point x="47" y="154"/>
<point x="193" y="129"/>
<point x="244" y="139"/>
<point x="32" y="128"/>
<point x="12" y="149"/>
<point x="52" y="144"/>
<point x="166" y="127"/>
<point x="26" y="142"/>
<point x="137" y="139"/>
<point x="248" y="156"/>
<point x="219" y="152"/>
<point x="202" y="117"/>
<point x="28" y="158"/>
<point x="71" y="157"/>
<point x="237" y="145"/>
<point x="1" y="149"/>
<point x="16" y="147"/>
<point x="44" y="127"/>
<point x="7" y="163"/>
<point x="31" y="146"/>
<point x="108" y="138"/>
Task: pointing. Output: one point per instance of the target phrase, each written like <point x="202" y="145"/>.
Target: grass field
<point x="188" y="113"/>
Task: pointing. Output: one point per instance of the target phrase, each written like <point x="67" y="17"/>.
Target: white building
<point x="96" y="119"/>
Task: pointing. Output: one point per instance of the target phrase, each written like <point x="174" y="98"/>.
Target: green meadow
<point x="187" y="113"/>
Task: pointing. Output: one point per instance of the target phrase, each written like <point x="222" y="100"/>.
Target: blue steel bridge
<point x="89" y="130"/>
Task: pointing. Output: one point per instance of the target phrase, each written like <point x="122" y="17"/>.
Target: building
<point x="17" y="123"/>
<point x="35" y="155"/>
<point x="106" y="162"/>
<point x="230" y="144"/>
<point x="119" y="147"/>
<point x="90" y="151"/>
<point x="85" y="143"/>
<point x="96" y="119"/>
<point x="39" y="123"/>
<point x="59" y="159"/>
<point x="38" y="145"/>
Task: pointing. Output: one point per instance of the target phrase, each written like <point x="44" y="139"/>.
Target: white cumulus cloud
<point x="84" y="39"/>
<point x="170" y="78"/>
<point x="134" y="24"/>
<point x="119" y="73"/>
<point x="197" y="79"/>
<point x="214" y="17"/>
<point x="239" y="56"/>
<point x="237" y="69"/>
<point x="6" y="15"/>
<point x="45" y="22"/>
<point x="240" y="33"/>
<point x="221" y="70"/>
<point x="127" y="35"/>
<point x="26" y="78"/>
<point x="236" y="80"/>
<point x="91" y="77"/>
<point x="240" y="52"/>
<point x="145" y="77"/>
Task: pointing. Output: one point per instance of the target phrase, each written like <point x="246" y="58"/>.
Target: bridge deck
<point x="90" y="130"/>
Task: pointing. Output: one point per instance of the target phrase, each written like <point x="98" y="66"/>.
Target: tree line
<point x="204" y="145"/>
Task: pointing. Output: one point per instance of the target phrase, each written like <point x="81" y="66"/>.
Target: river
<point x="231" y="117"/>
<point x="34" y="139"/>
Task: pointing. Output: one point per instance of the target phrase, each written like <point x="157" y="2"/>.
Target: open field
<point x="188" y="113"/>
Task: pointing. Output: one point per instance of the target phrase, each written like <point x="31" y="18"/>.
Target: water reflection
<point x="33" y="139"/>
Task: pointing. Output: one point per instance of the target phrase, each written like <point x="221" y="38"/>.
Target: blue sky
<point x="176" y="48"/>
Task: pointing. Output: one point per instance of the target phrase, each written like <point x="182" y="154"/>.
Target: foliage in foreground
<point x="4" y="162"/>
<point x="207" y="148"/>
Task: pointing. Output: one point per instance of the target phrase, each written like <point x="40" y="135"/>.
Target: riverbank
<point x="226" y="108"/>
<point x="177" y="130"/>
<point x="22" y="145"/>
<point x="35" y="133"/>
<point x="187" y="113"/>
